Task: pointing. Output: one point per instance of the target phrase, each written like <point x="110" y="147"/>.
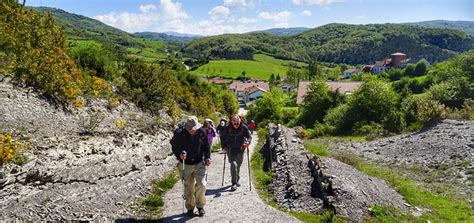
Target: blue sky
<point x="238" y="16"/>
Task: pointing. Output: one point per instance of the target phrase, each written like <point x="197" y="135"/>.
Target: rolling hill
<point x="465" y="26"/>
<point x="78" y="27"/>
<point x="260" y="67"/>
<point x="339" y="43"/>
<point x="164" y="37"/>
<point x="283" y="31"/>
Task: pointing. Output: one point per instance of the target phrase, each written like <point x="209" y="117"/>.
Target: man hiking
<point x="190" y="143"/>
<point x="235" y="140"/>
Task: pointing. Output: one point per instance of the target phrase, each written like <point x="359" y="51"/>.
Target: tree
<point x="420" y="69"/>
<point x="294" y="76"/>
<point x="92" y="56"/>
<point x="268" y="108"/>
<point x="409" y="71"/>
<point x="271" y="80"/>
<point x="313" y="70"/>
<point x="317" y="101"/>
<point x="278" y="79"/>
<point x="230" y="102"/>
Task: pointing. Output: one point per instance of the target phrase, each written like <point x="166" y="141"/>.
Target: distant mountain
<point x="171" y="33"/>
<point x="339" y="43"/>
<point x="165" y="37"/>
<point x="465" y="26"/>
<point x="283" y="31"/>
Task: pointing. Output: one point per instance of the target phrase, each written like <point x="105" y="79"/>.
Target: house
<point x="218" y="80"/>
<point x="380" y="66"/>
<point x="239" y="88"/>
<point x="253" y="93"/>
<point x="349" y="72"/>
<point x="343" y="87"/>
<point x="285" y="87"/>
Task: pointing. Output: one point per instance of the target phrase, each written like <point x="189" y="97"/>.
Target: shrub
<point x="429" y="110"/>
<point x="289" y="114"/>
<point x="89" y="122"/>
<point x="37" y="48"/>
<point x="371" y="129"/>
<point x="451" y="93"/>
<point x="339" y="119"/>
<point x="121" y="123"/>
<point x="10" y="150"/>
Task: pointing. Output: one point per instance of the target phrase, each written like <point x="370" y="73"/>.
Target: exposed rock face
<point x="443" y="153"/>
<point x="70" y="176"/>
<point x="308" y="183"/>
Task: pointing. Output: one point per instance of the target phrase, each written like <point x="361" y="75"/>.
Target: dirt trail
<point x="223" y="205"/>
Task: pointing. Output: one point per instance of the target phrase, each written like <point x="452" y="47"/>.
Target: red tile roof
<point x="240" y="86"/>
<point x="218" y="80"/>
<point x="253" y="89"/>
<point x="343" y="87"/>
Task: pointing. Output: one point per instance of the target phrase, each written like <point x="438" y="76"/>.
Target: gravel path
<point x="222" y="205"/>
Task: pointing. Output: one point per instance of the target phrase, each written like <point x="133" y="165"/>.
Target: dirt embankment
<point x="72" y="176"/>
<point x="441" y="156"/>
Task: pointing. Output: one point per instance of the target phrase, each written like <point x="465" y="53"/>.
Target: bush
<point x="10" y="150"/>
<point x="429" y="110"/>
<point x="89" y="123"/>
<point x="339" y="119"/>
<point x="371" y="129"/>
<point x="289" y="114"/>
<point x="451" y="93"/>
<point x="37" y="51"/>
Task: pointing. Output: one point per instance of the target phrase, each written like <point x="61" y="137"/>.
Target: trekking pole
<point x="223" y="170"/>
<point x="182" y="181"/>
<point x="248" y="162"/>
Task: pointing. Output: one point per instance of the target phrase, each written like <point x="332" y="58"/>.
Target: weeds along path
<point x="223" y="205"/>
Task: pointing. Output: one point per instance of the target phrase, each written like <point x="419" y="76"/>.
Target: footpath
<point x="223" y="205"/>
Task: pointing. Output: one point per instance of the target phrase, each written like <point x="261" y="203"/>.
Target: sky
<point x="238" y="16"/>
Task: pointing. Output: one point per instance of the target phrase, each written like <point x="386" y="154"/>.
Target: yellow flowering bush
<point x="121" y="123"/>
<point x="9" y="148"/>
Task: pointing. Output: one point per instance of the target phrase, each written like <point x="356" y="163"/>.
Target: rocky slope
<point x="441" y="154"/>
<point x="304" y="182"/>
<point x="76" y="176"/>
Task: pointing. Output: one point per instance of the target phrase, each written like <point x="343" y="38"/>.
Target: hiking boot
<point x="190" y="213"/>
<point x="201" y="212"/>
<point x="234" y="187"/>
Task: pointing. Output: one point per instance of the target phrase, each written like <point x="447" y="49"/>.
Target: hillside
<point x="340" y="43"/>
<point x="283" y="31"/>
<point x="164" y="37"/>
<point x="260" y="67"/>
<point x="465" y="26"/>
<point x="78" y="27"/>
<point x="82" y="27"/>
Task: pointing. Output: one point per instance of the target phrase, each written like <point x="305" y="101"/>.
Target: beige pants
<point x="194" y="185"/>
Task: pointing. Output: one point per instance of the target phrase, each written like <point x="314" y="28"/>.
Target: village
<point x="248" y="91"/>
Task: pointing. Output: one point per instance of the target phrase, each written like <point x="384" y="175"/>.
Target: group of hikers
<point x="191" y="144"/>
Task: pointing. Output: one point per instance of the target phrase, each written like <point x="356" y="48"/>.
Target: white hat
<point x="192" y="123"/>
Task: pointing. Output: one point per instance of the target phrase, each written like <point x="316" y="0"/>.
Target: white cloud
<point x="168" y="15"/>
<point x="147" y="8"/>
<point x="306" y="13"/>
<point x="241" y="3"/>
<point x="245" y="20"/>
<point x="313" y="2"/>
<point x="363" y="16"/>
<point x="282" y="16"/>
<point x="219" y="11"/>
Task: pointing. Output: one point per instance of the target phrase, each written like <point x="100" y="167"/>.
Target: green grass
<point x="216" y="147"/>
<point x="443" y="208"/>
<point x="260" y="68"/>
<point x="154" y="201"/>
<point x="318" y="148"/>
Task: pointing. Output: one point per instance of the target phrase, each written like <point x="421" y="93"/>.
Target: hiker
<point x="251" y="126"/>
<point x="190" y="143"/>
<point x="208" y="127"/>
<point x="220" y="128"/>
<point x="236" y="139"/>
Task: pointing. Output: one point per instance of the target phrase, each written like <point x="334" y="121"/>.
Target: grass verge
<point x="439" y="208"/>
<point x="154" y="202"/>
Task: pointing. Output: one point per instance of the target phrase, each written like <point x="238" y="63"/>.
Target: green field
<point x="151" y="50"/>
<point x="261" y="67"/>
